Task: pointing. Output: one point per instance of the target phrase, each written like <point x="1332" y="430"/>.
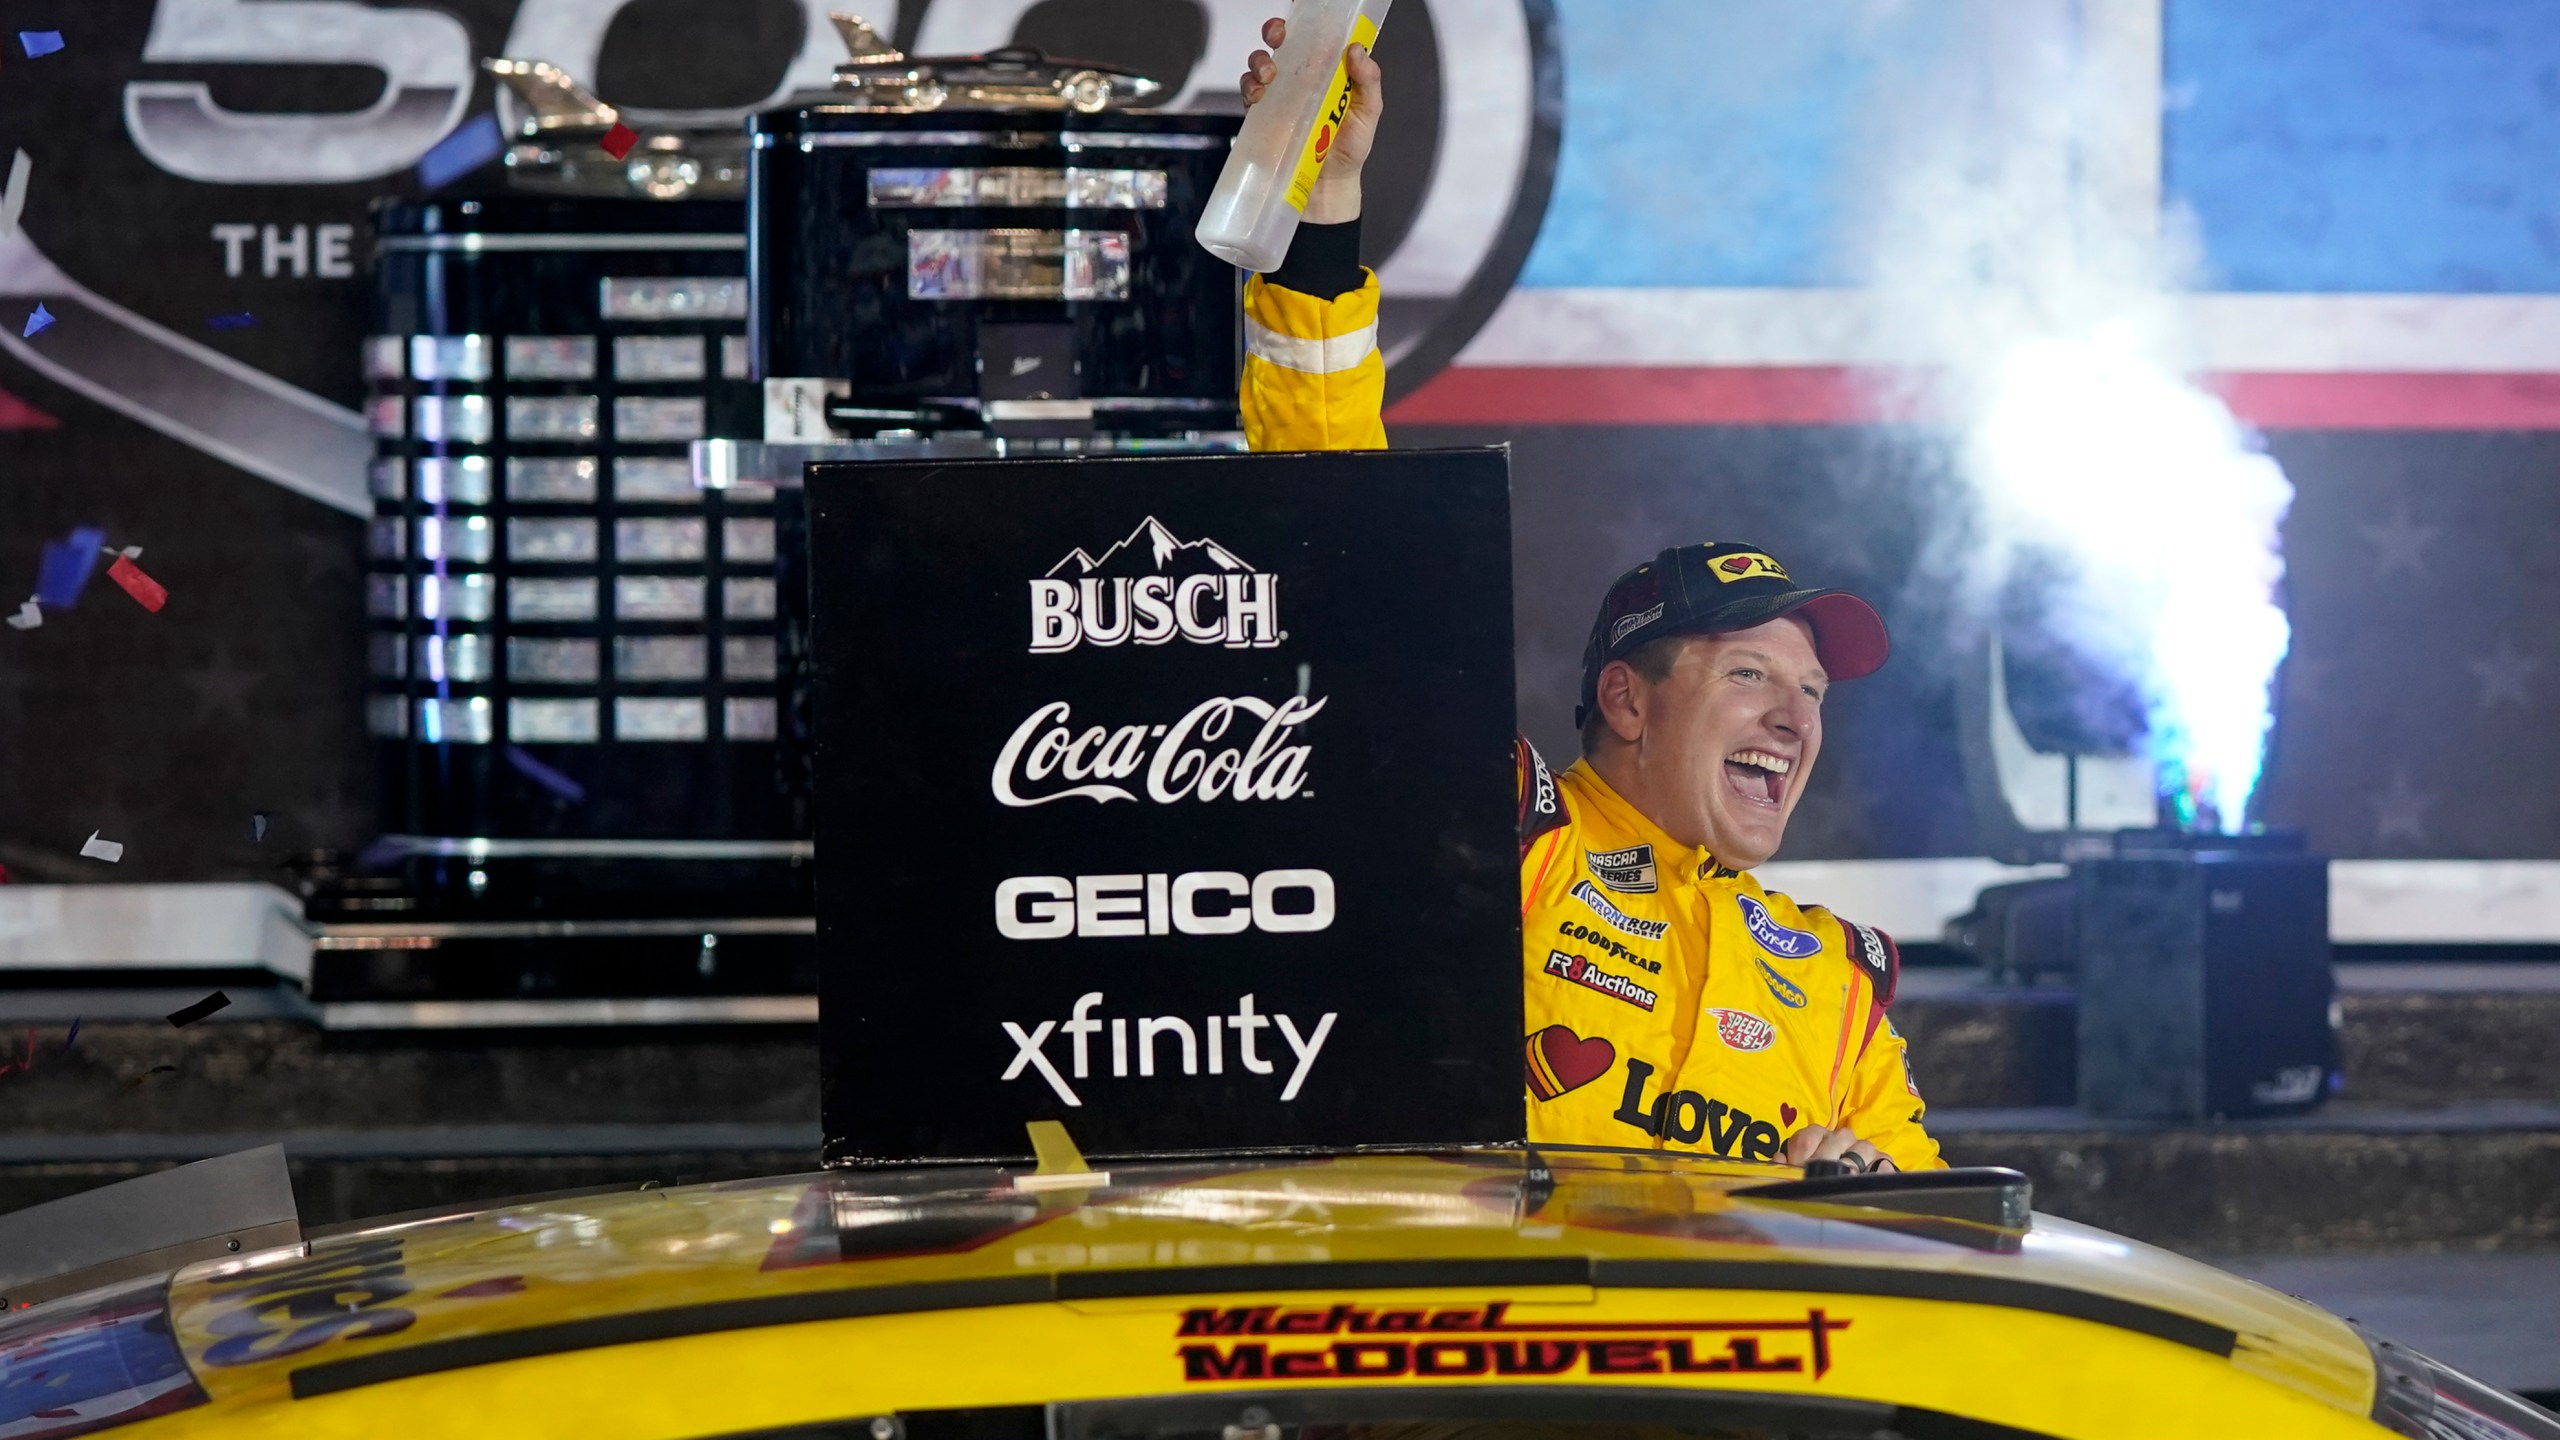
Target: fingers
<point x="1368" y="82"/>
<point x="1814" y="1142"/>
<point x="1259" y="71"/>
<point x="1806" y="1144"/>
<point x="1274" y="31"/>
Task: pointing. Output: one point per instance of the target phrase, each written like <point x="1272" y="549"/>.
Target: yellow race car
<point x="1492" y="1295"/>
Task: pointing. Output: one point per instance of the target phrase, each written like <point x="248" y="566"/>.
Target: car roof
<point x="548" y="1276"/>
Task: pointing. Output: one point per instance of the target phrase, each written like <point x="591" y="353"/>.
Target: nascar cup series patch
<point x="1777" y="939"/>
<point x="1629" y="871"/>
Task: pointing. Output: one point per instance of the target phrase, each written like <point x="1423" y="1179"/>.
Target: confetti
<point x="39" y="42"/>
<point x="477" y="142"/>
<point x="146" y="592"/>
<point x="110" y="851"/>
<point x="64" y="570"/>
<point x="544" y="776"/>
<point x="73" y="1038"/>
<point x="136" y="1082"/>
<point x="39" y="320"/>
<point x="258" y="825"/>
<point x="617" y="142"/>
<point x="13" y="200"/>
<point x="240" y="320"/>
<point x="28" y="616"/>
<point x="190" y="1014"/>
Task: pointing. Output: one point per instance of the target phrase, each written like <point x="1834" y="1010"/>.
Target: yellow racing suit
<point x="1313" y="377"/>
<point x="1674" y="1004"/>
<point x="1671" y="1003"/>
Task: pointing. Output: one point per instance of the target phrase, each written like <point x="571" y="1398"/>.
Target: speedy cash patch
<point x="1346" y="1341"/>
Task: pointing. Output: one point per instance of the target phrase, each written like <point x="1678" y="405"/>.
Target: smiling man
<point x="1671" y="1002"/>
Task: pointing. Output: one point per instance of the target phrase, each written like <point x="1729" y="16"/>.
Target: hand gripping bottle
<point x="1262" y="194"/>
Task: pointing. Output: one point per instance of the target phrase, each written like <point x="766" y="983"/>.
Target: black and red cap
<point x="1710" y="589"/>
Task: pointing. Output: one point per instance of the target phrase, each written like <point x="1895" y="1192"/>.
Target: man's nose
<point x="1794" y="717"/>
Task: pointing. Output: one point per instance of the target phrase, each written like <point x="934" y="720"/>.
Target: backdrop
<point x="1633" y="237"/>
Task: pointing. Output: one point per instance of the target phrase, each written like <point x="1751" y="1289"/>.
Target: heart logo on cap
<point x="1560" y="1060"/>
<point x="1786" y="1113"/>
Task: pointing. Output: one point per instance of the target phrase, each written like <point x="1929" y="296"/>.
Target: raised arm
<point x="1313" y="377"/>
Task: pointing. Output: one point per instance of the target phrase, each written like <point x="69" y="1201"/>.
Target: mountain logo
<point x="1151" y="588"/>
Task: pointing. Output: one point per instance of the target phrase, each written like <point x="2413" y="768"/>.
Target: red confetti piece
<point x="148" y="593"/>
<point x="617" y="142"/>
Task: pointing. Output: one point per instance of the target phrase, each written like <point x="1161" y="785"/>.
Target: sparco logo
<point x="1152" y="588"/>
<point x="1181" y="761"/>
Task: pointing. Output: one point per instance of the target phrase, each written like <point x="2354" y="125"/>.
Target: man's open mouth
<point x="1758" y="776"/>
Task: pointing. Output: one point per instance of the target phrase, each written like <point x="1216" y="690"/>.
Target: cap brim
<point x="1848" y="635"/>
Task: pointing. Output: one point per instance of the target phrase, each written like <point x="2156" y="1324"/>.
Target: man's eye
<point x="1816" y="694"/>
<point x="1747" y="673"/>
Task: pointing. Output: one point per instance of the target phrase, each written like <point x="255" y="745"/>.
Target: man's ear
<point x="1621" y="702"/>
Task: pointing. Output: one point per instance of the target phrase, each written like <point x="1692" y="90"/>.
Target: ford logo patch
<point x="1775" y="938"/>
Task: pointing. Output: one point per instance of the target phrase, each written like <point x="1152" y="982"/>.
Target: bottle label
<point x="1337" y="104"/>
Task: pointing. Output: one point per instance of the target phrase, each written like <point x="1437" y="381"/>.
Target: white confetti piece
<point x="13" y="200"/>
<point x="29" y="616"/>
<point x="110" y="851"/>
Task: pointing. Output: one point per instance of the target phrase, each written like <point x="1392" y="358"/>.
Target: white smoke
<point x="2024" y="267"/>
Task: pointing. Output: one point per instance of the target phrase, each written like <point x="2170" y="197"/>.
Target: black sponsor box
<point x="1168" y="797"/>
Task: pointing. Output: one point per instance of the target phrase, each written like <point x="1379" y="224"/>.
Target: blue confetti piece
<point x="66" y="567"/>
<point x="546" y="777"/>
<point x="241" y="321"/>
<point x="39" y="42"/>
<point x="475" y="143"/>
<point x="37" y="321"/>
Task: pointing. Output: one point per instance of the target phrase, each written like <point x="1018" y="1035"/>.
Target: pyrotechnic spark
<point x="2034" y="277"/>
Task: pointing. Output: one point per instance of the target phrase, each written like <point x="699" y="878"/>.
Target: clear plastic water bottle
<point x="1288" y="134"/>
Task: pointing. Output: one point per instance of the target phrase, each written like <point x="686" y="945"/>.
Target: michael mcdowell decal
<point x="1486" y="1340"/>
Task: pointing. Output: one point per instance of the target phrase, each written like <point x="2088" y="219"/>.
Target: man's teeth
<point x="1761" y="758"/>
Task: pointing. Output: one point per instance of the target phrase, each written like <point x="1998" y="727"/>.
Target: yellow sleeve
<point x="1313" y="377"/>
<point x="1883" y="1106"/>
